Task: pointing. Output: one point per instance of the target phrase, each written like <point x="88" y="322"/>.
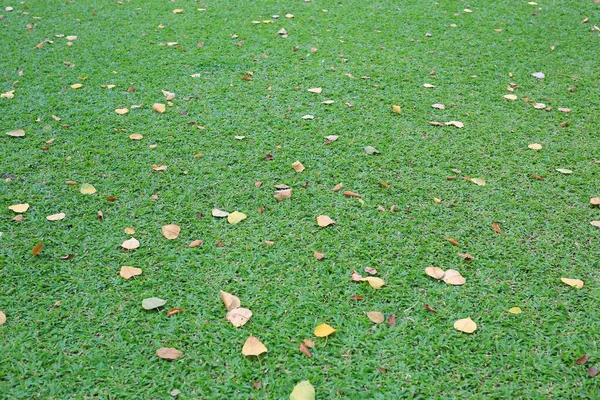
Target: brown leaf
<point x="391" y="320"/>
<point x="356" y="277"/>
<point x="129" y="272"/>
<point x="168" y="353"/>
<point x="231" y="302"/>
<point x="370" y="271"/>
<point x="298" y="167"/>
<point x="173" y="311"/>
<point x="324" y="220"/>
<point x="582" y="360"/>
<point x="466" y="256"/>
<point x="595" y="201"/>
<point x="281" y="195"/>
<point x="304" y="350"/>
<point x="37" y="249"/>
<point x="18" y="218"/>
<point x="453" y="241"/>
<point x="67" y="257"/>
<point x="536" y="176"/>
<point x="357" y="297"/>
<point x="496" y="227"/>
<point x="319" y="256"/>
<point x="261" y="209"/>
<point x="253" y="347"/>
<point x="428" y="308"/>
<point x="112" y="198"/>
<point x="453" y="277"/>
<point x="338" y="187"/>
<point x="131" y="244"/>
<point x="376" y="317"/>
<point x="269" y="243"/>
<point x="434" y="272"/>
<point x="257" y="385"/>
<point x="171" y="231"/>
<point x="196" y="243"/>
<point x="258" y="184"/>
<point x="592" y="372"/>
<point x="348" y="193"/>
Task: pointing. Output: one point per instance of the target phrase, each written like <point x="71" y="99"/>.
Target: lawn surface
<point x="76" y="329"/>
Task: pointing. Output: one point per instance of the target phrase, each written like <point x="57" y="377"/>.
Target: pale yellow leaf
<point x="129" y="272"/>
<point x="324" y="220"/>
<point x="298" y="167"/>
<point x="253" y="347"/>
<point x="86" y="188"/>
<point x="535" y="146"/>
<point x="434" y="272"/>
<point x="19" y="208"/>
<point x="328" y="102"/>
<point x="510" y="97"/>
<point x="303" y="391"/>
<point x="56" y="217"/>
<point x="159" y="108"/>
<point x="595" y="201"/>
<point x="159" y="167"/>
<point x="396" y="109"/>
<point x="16" y="133"/>
<point x="323" y="330"/>
<point x="171" y="231"/>
<point x="168" y="353"/>
<point x="539" y="106"/>
<point x="376" y="317"/>
<point x="231" y="302"/>
<point x="281" y="195"/>
<point x="2" y="318"/>
<point x="178" y="11"/>
<point x="453" y="277"/>
<point x="457" y="124"/>
<point x="428" y="85"/>
<point x="515" y="310"/>
<point x="122" y="111"/>
<point x="564" y="171"/>
<point x="236" y="217"/>
<point x="376" y="283"/>
<point x="439" y="106"/>
<point x="129" y="230"/>
<point x="315" y="90"/>
<point x="76" y="86"/>
<point x="577" y="283"/>
<point x="7" y="95"/>
<point x="135" y="136"/>
<point x="131" y="244"/>
<point x="219" y="213"/>
<point x="465" y="325"/>
<point x="478" y="181"/>
<point x="239" y="316"/>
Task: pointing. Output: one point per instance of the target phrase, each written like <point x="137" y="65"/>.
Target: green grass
<point x="100" y="343"/>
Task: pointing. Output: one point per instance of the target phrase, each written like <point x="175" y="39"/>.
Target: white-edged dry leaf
<point x="281" y="195"/>
<point x="122" y="111"/>
<point x="236" y="217"/>
<point x="465" y="325"/>
<point x="131" y="244"/>
<point x="16" y="133"/>
<point x="219" y="213"/>
<point x="324" y="220"/>
<point x="577" y="283"/>
<point x="376" y="317"/>
<point x="253" y="347"/>
<point x="303" y="391"/>
<point x="510" y="97"/>
<point x="129" y="272"/>
<point x="439" y="106"/>
<point x="323" y="330"/>
<point x="478" y="181"/>
<point x="231" y="302"/>
<point x="238" y="316"/>
<point x="315" y="90"/>
<point x="428" y="85"/>
<point x="376" y="283"/>
<point x="152" y="303"/>
<point x="56" y="217"/>
<point x="19" y="208"/>
<point x="332" y="138"/>
<point x="539" y="75"/>
<point x="298" y="167"/>
<point x="434" y="272"/>
<point x="564" y="171"/>
<point x="453" y="277"/>
<point x="168" y="353"/>
<point x="308" y="116"/>
<point x="159" y="108"/>
<point x="457" y="124"/>
<point x="171" y="231"/>
<point x="535" y="146"/>
<point x="86" y="188"/>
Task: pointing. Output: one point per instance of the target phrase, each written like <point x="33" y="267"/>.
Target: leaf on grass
<point x="396" y="109"/>
<point x="428" y="308"/>
<point x="453" y="277"/>
<point x="56" y="217"/>
<point x="304" y="350"/>
<point x="376" y="317"/>
<point x="219" y="213"/>
<point x="535" y="146"/>
<point x="510" y="97"/>
<point x="478" y="181"/>
<point x="356" y="277"/>
<point x="563" y="109"/>
<point x="564" y="171"/>
<point x="580" y="361"/>
<point x="308" y="116"/>
<point x="171" y="231"/>
<point x="328" y="102"/>
<point x="16" y="133"/>
<point x="319" y="256"/>
<point x="178" y="11"/>
<point x="539" y="106"/>
<point x="298" y="167"/>
<point x="37" y="249"/>
<point x="196" y="243"/>
<point x="332" y="138"/>
<point x="465" y="325"/>
<point x="348" y="193"/>
<point x="496" y="227"/>
<point x="253" y="347"/>
<point x="152" y="303"/>
<point x="391" y="320"/>
<point x="376" y="283"/>
<point x="7" y="95"/>
<point x="231" y="302"/>
<point x="434" y="272"/>
<point x="338" y="187"/>
<point x="303" y="391"/>
<point x="168" y="353"/>
<point x="315" y="90"/>
<point x="357" y="297"/>
<point x="236" y="217"/>
<point x="466" y="256"/>
<point x="129" y="230"/>
<point x="135" y="136"/>
<point x="2" y="318"/>
<point x="457" y="124"/>
<point x="371" y="150"/>
<point x="539" y="75"/>
<point x="159" y="167"/>
<point x="324" y="220"/>
<point x="131" y="244"/>
<point x="577" y="283"/>
<point x="323" y="330"/>
<point x="174" y="311"/>
<point x="19" y="208"/>
<point x="453" y="241"/>
<point x="536" y="176"/>
<point x="595" y="201"/>
<point x="122" y="111"/>
<point x="18" y="218"/>
<point x="159" y="108"/>
<point x="129" y="272"/>
<point x="592" y="372"/>
<point x="76" y="86"/>
<point x="515" y="310"/>
<point x="370" y="271"/>
<point x="439" y="106"/>
<point x="281" y="195"/>
<point x="86" y="188"/>
<point x="594" y="223"/>
<point x="238" y="316"/>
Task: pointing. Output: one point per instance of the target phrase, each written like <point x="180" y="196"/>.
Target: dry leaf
<point x="466" y="256"/>
<point x="435" y="123"/>
<point x="465" y="325"/>
<point x="376" y="317"/>
<point x="178" y="11"/>
<point x="219" y="213"/>
<point x="269" y="243"/>
<point x="536" y="176"/>
<point x="8" y="95"/>
<point x="592" y="371"/>
<point x="439" y="106"/>
<point x="131" y="244"/>
<point x="371" y="150"/>
<point x="356" y="277"/>
<point x="577" y="283"/>
<point x="563" y="109"/>
<point x="324" y="220"/>
<point x="298" y="167"/>
<point x="315" y="90"/>
<point x="18" y="218"/>
<point x="2" y="318"/>
<point x="453" y="277"/>
<point x="396" y="109"/>
<point x="535" y="146"/>
<point x="308" y="116"/>
<point x="580" y="361"/>
<point x="129" y="272"/>
<point x="515" y="310"/>
<point x="16" y="133"/>
<point x="174" y="311"/>
<point x="238" y="316"/>
<point x="159" y="108"/>
<point x="236" y="217"/>
<point x="135" y="136"/>
<point x="594" y="223"/>
<point x="304" y="350"/>
<point x="56" y="217"/>
<point x="303" y="391"/>
<point x="37" y="249"/>
<point x="129" y="231"/>
<point x="428" y="85"/>
<point x="323" y="330"/>
<point x="332" y="138"/>
<point x="434" y="272"/>
<point x="357" y="297"/>
<point x="171" y="231"/>
<point x="428" y="308"/>
<point x="319" y="256"/>
<point x="376" y="283"/>
<point x="511" y="97"/>
<point x="391" y="320"/>
<point x="496" y="227"/>
<point x="253" y="347"/>
<point x="86" y="188"/>
<point x="539" y="75"/>
<point x="453" y="241"/>
<point x="564" y="171"/>
<point x="168" y="353"/>
<point x="122" y="111"/>
<point x="283" y="194"/>
<point x="76" y="86"/>
<point x="348" y="193"/>
<point x="478" y="181"/>
<point x="231" y="302"/>
<point x="152" y="303"/>
<point x="370" y="271"/>
<point x="338" y="187"/>
<point x="19" y="208"/>
<point x="196" y="243"/>
<point x="328" y="102"/>
<point x="595" y="201"/>
<point x="457" y="124"/>
<point x="159" y="167"/>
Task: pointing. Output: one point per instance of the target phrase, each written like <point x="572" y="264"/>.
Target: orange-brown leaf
<point x="37" y="248"/>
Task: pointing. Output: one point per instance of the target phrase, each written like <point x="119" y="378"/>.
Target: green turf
<point x="100" y="343"/>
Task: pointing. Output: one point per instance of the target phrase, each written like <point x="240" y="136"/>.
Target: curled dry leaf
<point x="236" y="217"/>
<point x="86" y="188"/>
<point x="171" y="231"/>
<point x="2" y="318"/>
<point x="281" y="195"/>
<point x="396" y="109"/>
<point x="19" y="208"/>
<point x="496" y="227"/>
<point x="303" y="391"/>
<point x="465" y="325"/>
<point x="231" y="302"/>
<point x="18" y="218"/>
<point x="439" y="106"/>
<point x="304" y="350"/>
<point x="577" y="283"/>
<point x="357" y="297"/>
<point x="536" y="176"/>
<point x="174" y="311"/>
<point x="348" y="193"/>
<point x="434" y="272"/>
<point x="152" y="303"/>
<point x="356" y="277"/>
<point x="131" y="244"/>
<point x="319" y="256"/>
<point x="466" y="256"/>
<point x="168" y="353"/>
<point x="129" y="272"/>
<point x="16" y="133"/>
<point x="56" y="217"/>
<point x="453" y="241"/>
<point x="376" y="283"/>
<point x="515" y="310"/>
<point x="219" y="213"/>
<point x="76" y="86"/>
<point x="122" y="111"/>
<point x="253" y="347"/>
<point x="429" y="308"/>
<point x="338" y="187"/>
<point x="324" y="220"/>
<point x="298" y="167"/>
<point x="196" y="243"/>
<point x="376" y="317"/>
<point x="238" y="316"/>
<point x="323" y="330"/>
<point x="595" y="201"/>
<point x="159" y="108"/>
<point x="37" y="249"/>
<point x="453" y="277"/>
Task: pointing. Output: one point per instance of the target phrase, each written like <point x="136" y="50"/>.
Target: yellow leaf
<point x="76" y="86"/>
<point x="159" y="108"/>
<point x="129" y="272"/>
<point x="2" y="318"/>
<point x="434" y="272"/>
<point x="573" y="282"/>
<point x="178" y="11"/>
<point x="453" y="277"/>
<point x="131" y="244"/>
<point x="303" y="391"/>
<point x="135" y="136"/>
<point x="107" y="86"/>
<point x="465" y="325"/>
<point x="86" y="188"/>
<point x="253" y="347"/>
<point x="129" y="230"/>
<point x="122" y="111"/>
<point x="515" y="310"/>
<point x="159" y="167"/>
<point x="230" y="300"/>
<point x="238" y="316"/>
<point x="323" y="330"/>
<point x="510" y="97"/>
<point x="324" y="220"/>
<point x="168" y="353"/>
<point x="298" y="167"/>
<point x="171" y="231"/>
<point x="19" y="208"/>
<point x="56" y="217"/>
<point x="37" y="249"/>
<point x="8" y="95"/>
<point x="396" y="109"/>
<point x="16" y="133"/>
<point x="236" y="217"/>
<point x="376" y="283"/>
<point x="535" y="146"/>
<point x="478" y="181"/>
<point x="315" y="90"/>
<point x="376" y="317"/>
<point x="457" y="124"/>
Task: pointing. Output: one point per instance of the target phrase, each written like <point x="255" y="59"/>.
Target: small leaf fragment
<point x="281" y="195"/>
<point x="429" y="308"/>
<point x="338" y="187"/>
<point x="152" y="303"/>
<point x="539" y="75"/>
<point x="396" y="109"/>
<point x="219" y="213"/>
<point x="231" y="302"/>
<point x="168" y="353"/>
<point x="130" y="231"/>
<point x="564" y="171"/>
<point x="593" y="372"/>
<point x="465" y="325"/>
<point x="515" y="310"/>
<point x="371" y="150"/>
<point x="370" y="271"/>
<point x="323" y="330"/>
<point x="238" y="316"/>
<point x="439" y="106"/>
<point x="376" y="283"/>
<point x="453" y="241"/>
<point x="86" y="188"/>
<point x="2" y="318"/>
<point x="129" y="272"/>
<point x="122" y="111"/>
<point x="496" y="227"/>
<point x="174" y="311"/>
<point x="595" y="201"/>
<point x="315" y="90"/>
<point x="37" y="249"/>
<point x="304" y="350"/>
<point x="76" y="86"/>
<point x="535" y="146"/>
<point x="376" y="317"/>
<point x="135" y="136"/>
<point x="303" y="391"/>
<point x="348" y="193"/>
<point x="236" y="217"/>
<point x="298" y="167"/>
<point x="577" y="283"/>
<point x="56" y="217"/>
<point x="196" y="243"/>
<point x="391" y="320"/>
<point x="253" y="347"/>
<point x="457" y="124"/>
<point x="510" y="97"/>
<point x="324" y="220"/>
<point x="319" y="256"/>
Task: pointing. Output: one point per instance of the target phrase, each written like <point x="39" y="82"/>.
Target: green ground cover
<point x="76" y="329"/>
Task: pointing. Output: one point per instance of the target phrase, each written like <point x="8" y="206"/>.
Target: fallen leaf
<point x="18" y="218"/>
<point x="338" y="187"/>
<point x="515" y="310"/>
<point x="370" y="271"/>
<point x="453" y="277"/>
<point x="130" y="231"/>
<point x="391" y="320"/>
<point x="129" y="272"/>
<point x="168" y="353"/>
<point x="253" y="347"/>
<point x="371" y="150"/>
<point x="332" y="138"/>
<point x="159" y="108"/>
<point x="496" y="227"/>
<point x="283" y="194"/>
<point x="356" y="277"/>
<point x="465" y="325"/>
<point x="376" y="317"/>
<point x="171" y="231"/>
<point x="428" y="85"/>
<point x="37" y="249"/>
<point x="323" y="330"/>
<point x="510" y="97"/>
<point x="303" y="391"/>
<point x="348" y="193"/>
<point x="577" y="283"/>
<point x="2" y="318"/>
<point x="236" y="217"/>
<point x="436" y="200"/>
<point x="319" y="256"/>
<point x="536" y="176"/>
<point x="112" y="198"/>
<point x="457" y="124"/>
<point x="564" y="171"/>
<point x="16" y="133"/>
<point x="595" y="201"/>
<point x="174" y="311"/>
<point x="535" y="146"/>
<point x="56" y="217"/>
<point x="435" y="123"/>
<point x="580" y="361"/>
<point x="357" y="297"/>
<point x="328" y="102"/>
<point x="439" y="106"/>
<point x="159" y="167"/>
<point x="238" y="316"/>
<point x="7" y="95"/>
<point x="86" y="188"/>
<point x="434" y="272"/>
<point x="592" y="372"/>
<point x="376" y="283"/>
<point x="219" y="213"/>
<point x="539" y="75"/>
<point x="428" y="308"/>
<point x="269" y="243"/>
<point x="131" y="244"/>
<point x="478" y="181"/>
<point x="304" y="350"/>
<point x="76" y="86"/>
<point x="196" y="243"/>
<point x="315" y="90"/>
<point x="324" y="220"/>
<point x="152" y="303"/>
<point x="453" y="241"/>
<point x="135" y="136"/>
<point x="19" y="208"/>
<point x="100" y="215"/>
<point x="298" y="167"/>
<point x="178" y="11"/>
<point x="594" y="223"/>
<point x="122" y="111"/>
<point x="231" y="302"/>
<point x="466" y="256"/>
<point x="396" y="109"/>
<point x="67" y="257"/>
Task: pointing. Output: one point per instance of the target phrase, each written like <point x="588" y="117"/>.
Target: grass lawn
<point x="76" y="329"/>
